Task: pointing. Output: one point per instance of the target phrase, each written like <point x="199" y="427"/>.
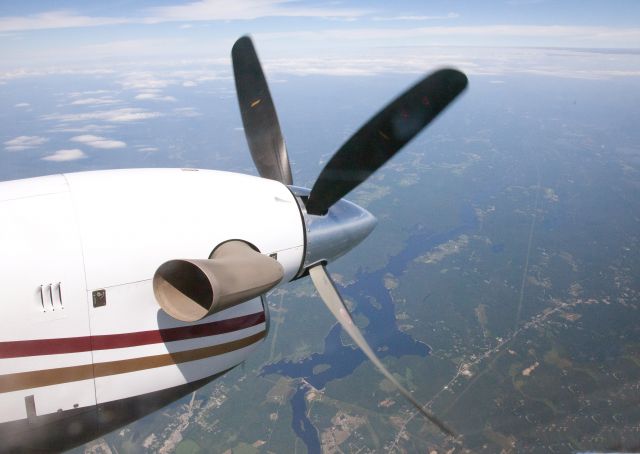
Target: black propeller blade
<point x="259" y="117"/>
<point x="383" y="136"/>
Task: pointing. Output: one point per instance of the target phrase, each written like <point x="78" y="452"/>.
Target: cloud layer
<point x="124" y="115"/>
<point x="205" y="10"/>
<point x="105" y="100"/>
<point x="152" y="96"/>
<point x="98" y="142"/>
<point x="24" y="143"/>
<point x="65" y="155"/>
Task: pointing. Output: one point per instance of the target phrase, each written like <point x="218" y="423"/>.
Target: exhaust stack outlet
<point x="189" y="290"/>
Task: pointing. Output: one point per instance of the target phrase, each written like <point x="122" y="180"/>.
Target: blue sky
<point x="141" y="63"/>
<point x="36" y="33"/>
<point x="469" y="12"/>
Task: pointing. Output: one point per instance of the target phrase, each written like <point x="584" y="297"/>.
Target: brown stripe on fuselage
<point x="38" y="347"/>
<point x="39" y="378"/>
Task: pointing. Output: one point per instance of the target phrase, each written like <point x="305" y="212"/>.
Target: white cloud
<point x="371" y="51"/>
<point x="214" y="10"/>
<point x="86" y="128"/>
<point x="148" y="149"/>
<point x="152" y="96"/>
<point x="115" y="116"/>
<point x="481" y="35"/>
<point x="105" y="100"/>
<point x="206" y="10"/>
<point x="55" y="19"/>
<point x="187" y="112"/>
<point x="419" y="60"/>
<point x="98" y="142"/>
<point x="116" y="49"/>
<point x="416" y="17"/>
<point x="24" y="143"/>
<point x="50" y="71"/>
<point x="22" y="104"/>
<point x="66" y="155"/>
<point x="145" y="81"/>
<point x="77" y="94"/>
<point x="192" y="77"/>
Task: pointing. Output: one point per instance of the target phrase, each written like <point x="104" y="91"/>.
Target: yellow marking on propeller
<point x="383" y="135"/>
<point x="256" y="102"/>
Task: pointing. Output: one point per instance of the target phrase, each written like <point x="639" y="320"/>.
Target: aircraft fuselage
<point x="84" y="347"/>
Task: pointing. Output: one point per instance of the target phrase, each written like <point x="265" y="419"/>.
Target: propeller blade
<point x="329" y="294"/>
<point x="383" y="136"/>
<point x="259" y="116"/>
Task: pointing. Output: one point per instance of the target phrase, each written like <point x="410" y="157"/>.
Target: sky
<point x="145" y="59"/>
<point x="90" y="35"/>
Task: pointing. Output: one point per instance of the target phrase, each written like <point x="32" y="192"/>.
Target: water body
<point x="382" y="333"/>
<point x="301" y="424"/>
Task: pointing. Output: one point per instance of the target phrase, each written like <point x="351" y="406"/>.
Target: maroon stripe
<point x="17" y="349"/>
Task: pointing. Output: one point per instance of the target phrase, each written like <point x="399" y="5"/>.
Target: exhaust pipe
<point x="189" y="290"/>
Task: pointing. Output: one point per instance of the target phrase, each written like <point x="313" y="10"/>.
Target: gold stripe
<point x="39" y="378"/>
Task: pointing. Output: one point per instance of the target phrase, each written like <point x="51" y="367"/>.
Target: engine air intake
<point x="189" y="290"/>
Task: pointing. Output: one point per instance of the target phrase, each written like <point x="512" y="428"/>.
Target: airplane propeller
<point x="366" y="151"/>
<point x="259" y="116"/>
<point x="383" y="136"/>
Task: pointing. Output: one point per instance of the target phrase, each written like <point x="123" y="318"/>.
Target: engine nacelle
<point x="189" y="290"/>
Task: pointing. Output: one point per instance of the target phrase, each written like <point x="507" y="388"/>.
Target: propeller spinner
<point x="335" y="226"/>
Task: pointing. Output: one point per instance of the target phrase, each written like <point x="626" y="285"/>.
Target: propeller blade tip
<point x="458" y="80"/>
<point x="241" y="43"/>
